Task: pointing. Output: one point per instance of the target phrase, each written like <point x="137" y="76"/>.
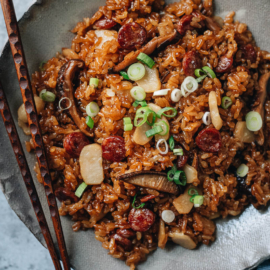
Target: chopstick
<point x="27" y="177"/>
<point x="32" y="116"/>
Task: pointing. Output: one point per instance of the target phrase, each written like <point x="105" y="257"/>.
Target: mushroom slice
<point x="65" y="90"/>
<point x="258" y="105"/>
<point x="183" y="240"/>
<point x="162" y="235"/>
<point x="191" y="173"/>
<point x="183" y="204"/>
<point x="139" y="136"/>
<point x="150" y="47"/>
<point x="150" y="179"/>
<point x="91" y="164"/>
<point x="242" y="133"/>
<point x="150" y="81"/>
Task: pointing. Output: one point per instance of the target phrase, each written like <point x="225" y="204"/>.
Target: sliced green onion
<point x="189" y="85"/>
<point x="151" y="115"/>
<point x="242" y="170"/>
<point x="146" y="115"/>
<point x="192" y="192"/>
<point x="180" y="178"/>
<point x="154" y="131"/>
<point x="124" y="75"/>
<point x="128" y="127"/>
<point x="133" y="203"/>
<point x="171" y="143"/>
<point x="198" y="200"/>
<point x="89" y="122"/>
<point x="199" y="72"/>
<point x="127" y="124"/>
<point x="165" y="127"/>
<point x="192" y="198"/>
<point x="162" y="112"/>
<point x="170" y="175"/>
<point x="92" y="109"/>
<point x="254" y="121"/>
<point x="136" y="103"/>
<point x="94" y="82"/>
<point x="226" y="102"/>
<point x="47" y="96"/>
<point x="201" y="78"/>
<point x="136" y="71"/>
<point x="209" y="72"/>
<point x="127" y="120"/>
<point x="80" y="190"/>
<point x="138" y="93"/>
<point x="144" y="58"/>
<point x="178" y="152"/>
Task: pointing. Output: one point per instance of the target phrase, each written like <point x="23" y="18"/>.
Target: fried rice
<point x="106" y="207"/>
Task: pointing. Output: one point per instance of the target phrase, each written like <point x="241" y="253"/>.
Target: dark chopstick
<point x="32" y="116"/>
<point x="27" y="177"/>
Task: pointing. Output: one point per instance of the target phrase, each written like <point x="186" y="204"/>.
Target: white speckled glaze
<point x="241" y="243"/>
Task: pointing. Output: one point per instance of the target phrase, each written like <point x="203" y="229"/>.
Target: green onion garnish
<point x="94" y="82"/>
<point x="138" y="93"/>
<point x="89" y="122"/>
<point x="198" y="200"/>
<point x="145" y="115"/>
<point x="162" y="112"/>
<point x="41" y="65"/>
<point x="178" y="152"/>
<point x="80" y="190"/>
<point x="136" y="71"/>
<point x="192" y="192"/>
<point x="171" y="143"/>
<point x="209" y="72"/>
<point x="92" y="109"/>
<point x="242" y="170"/>
<point x="154" y="131"/>
<point x="144" y="58"/>
<point x="170" y="174"/>
<point x="133" y="203"/>
<point x="254" y="121"/>
<point x="180" y="178"/>
<point x="136" y="103"/>
<point x="164" y="126"/>
<point x="201" y="78"/>
<point x="47" y="96"/>
<point x="124" y="75"/>
<point x="192" y="198"/>
<point x="226" y="102"/>
<point x="127" y="124"/>
<point x="199" y="72"/>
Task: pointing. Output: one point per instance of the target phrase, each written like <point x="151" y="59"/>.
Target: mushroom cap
<point x="150" y="179"/>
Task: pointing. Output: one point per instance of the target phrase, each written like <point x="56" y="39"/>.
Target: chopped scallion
<point x="153" y="131"/>
<point x="89" y="122"/>
<point x="199" y="72"/>
<point x="164" y="126"/>
<point x="178" y="152"/>
<point x="124" y="75"/>
<point x="226" y="102"/>
<point x="41" y="65"/>
<point x="209" y="72"/>
<point x="92" y="109"/>
<point x="180" y="178"/>
<point x="254" y="121"/>
<point x="80" y="190"/>
<point x="133" y="203"/>
<point x="127" y="120"/>
<point x="144" y="58"/>
<point x="201" y="78"/>
<point x="128" y="127"/>
<point x="136" y="71"/>
<point x="47" y="96"/>
<point x="94" y="82"/>
<point x="192" y="192"/>
<point x="170" y="174"/>
<point x="198" y="200"/>
<point x="136" y="103"/>
<point x="171" y="143"/>
<point x="138" y="93"/>
<point x="162" y="112"/>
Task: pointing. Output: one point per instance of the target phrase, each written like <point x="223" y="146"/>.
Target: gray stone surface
<point x="19" y="249"/>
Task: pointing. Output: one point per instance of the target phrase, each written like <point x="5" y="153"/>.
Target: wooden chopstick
<point x="32" y="116"/>
<point x="27" y="177"/>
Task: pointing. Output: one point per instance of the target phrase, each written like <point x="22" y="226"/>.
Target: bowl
<point x="242" y="242"/>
